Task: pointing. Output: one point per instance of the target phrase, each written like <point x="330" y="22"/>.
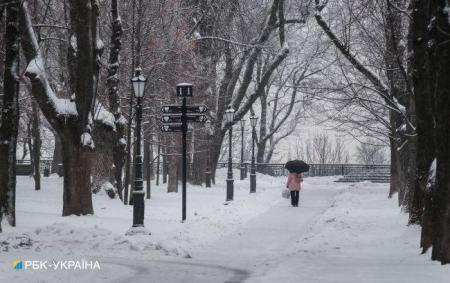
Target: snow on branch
<point x="36" y="71"/>
<point x="52" y="106"/>
<point x="102" y="115"/>
<point x="86" y="140"/>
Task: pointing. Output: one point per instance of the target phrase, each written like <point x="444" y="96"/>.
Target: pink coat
<point x="293" y="182"/>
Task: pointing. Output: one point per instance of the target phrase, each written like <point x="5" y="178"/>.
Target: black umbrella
<point x="296" y="166"/>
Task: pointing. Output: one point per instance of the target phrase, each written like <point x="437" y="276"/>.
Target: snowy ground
<point x="340" y="233"/>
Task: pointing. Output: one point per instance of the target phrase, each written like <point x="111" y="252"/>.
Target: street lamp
<point x="229" y="118"/>
<point x="253" y="121"/>
<point x="242" y="150"/>
<point x="138" y="82"/>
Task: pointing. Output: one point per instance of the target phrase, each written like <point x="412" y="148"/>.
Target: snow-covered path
<point x="268" y="238"/>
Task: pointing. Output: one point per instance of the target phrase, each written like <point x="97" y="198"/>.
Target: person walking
<point x="294" y="186"/>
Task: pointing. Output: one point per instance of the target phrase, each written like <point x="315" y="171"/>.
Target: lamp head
<point x="253" y="120"/>
<point x="138" y="82"/>
<point x="229" y="114"/>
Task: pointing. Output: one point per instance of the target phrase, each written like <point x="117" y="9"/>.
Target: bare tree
<point x="320" y="149"/>
<point x="370" y="153"/>
<point x="381" y="66"/>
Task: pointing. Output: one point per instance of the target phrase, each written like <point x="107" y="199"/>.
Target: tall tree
<point x="114" y="99"/>
<point x="432" y="87"/>
<point x="72" y="120"/>
<point x="9" y="115"/>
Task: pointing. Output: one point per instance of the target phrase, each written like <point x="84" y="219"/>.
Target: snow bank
<point x="103" y="234"/>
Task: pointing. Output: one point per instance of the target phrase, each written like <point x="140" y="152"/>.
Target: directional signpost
<point x="175" y="119"/>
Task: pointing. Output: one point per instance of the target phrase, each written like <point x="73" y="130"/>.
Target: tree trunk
<point x="174" y="161"/>
<point x="439" y="53"/>
<point x="204" y="88"/>
<point x="429" y="31"/>
<point x="399" y="93"/>
<point x="164" y="161"/>
<point x="9" y="116"/>
<point x="147" y="166"/>
<point x="424" y="118"/>
<point x="26" y="143"/>
<point x="57" y="155"/>
<point x="395" y="167"/>
<point x="261" y="145"/>
<point x="151" y="168"/>
<point x="77" y="176"/>
<point x="119" y="145"/>
<point x="216" y="145"/>
<point x="103" y="159"/>
<point x="158" y="160"/>
<point x="199" y="159"/>
<point x="36" y="150"/>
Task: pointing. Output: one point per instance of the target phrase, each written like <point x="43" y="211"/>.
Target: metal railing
<point x="23" y="167"/>
<point x="277" y="169"/>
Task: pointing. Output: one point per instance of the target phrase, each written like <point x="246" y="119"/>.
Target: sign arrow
<point x="176" y="118"/>
<point x="175" y="109"/>
<point x="172" y="127"/>
<point x="171" y="118"/>
<point x="196" y="118"/>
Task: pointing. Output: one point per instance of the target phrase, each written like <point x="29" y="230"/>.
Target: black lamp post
<point x="253" y="121"/>
<point x="138" y="194"/>
<point x="242" y="150"/>
<point x="229" y="117"/>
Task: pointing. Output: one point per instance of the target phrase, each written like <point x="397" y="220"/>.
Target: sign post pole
<point x="184" y="131"/>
